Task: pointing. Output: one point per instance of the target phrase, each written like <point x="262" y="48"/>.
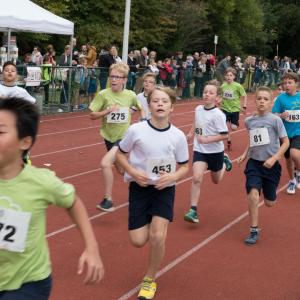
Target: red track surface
<point x="208" y="261"/>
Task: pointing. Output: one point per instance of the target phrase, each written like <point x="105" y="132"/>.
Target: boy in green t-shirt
<point x="26" y="192"/>
<point x="232" y="95"/>
<point x="112" y="106"/>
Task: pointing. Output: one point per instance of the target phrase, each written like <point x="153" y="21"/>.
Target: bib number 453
<point x="164" y="168"/>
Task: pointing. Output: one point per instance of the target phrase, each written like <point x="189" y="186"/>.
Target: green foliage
<point x="243" y="26"/>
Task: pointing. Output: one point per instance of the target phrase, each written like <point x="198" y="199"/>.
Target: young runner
<point x="26" y="192"/>
<point x="155" y="147"/>
<point x="112" y="106"/>
<point x="287" y="107"/>
<point x="263" y="170"/>
<point x="210" y="130"/>
<point x="232" y="95"/>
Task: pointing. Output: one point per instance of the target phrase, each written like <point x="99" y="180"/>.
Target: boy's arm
<point x="90" y="255"/>
<point x="244" y="155"/>
<point x="244" y="101"/>
<point x="139" y="176"/>
<point x="207" y="139"/>
<point x="94" y="115"/>
<point x="191" y="132"/>
<point x="167" y="178"/>
<point x="285" y="143"/>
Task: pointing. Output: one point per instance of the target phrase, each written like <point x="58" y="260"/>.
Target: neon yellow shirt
<point x="30" y="193"/>
<point x="125" y="99"/>
<point x="231" y="96"/>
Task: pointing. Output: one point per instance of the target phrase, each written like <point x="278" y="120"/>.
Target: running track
<point x="204" y="262"/>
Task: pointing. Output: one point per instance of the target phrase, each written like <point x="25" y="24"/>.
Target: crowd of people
<point x="185" y="73"/>
<point x="152" y="154"/>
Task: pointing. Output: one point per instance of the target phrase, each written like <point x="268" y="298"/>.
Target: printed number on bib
<point x="118" y="116"/>
<point x="228" y="94"/>
<point x="13" y="229"/>
<point x="259" y="136"/>
<point x="199" y="129"/>
<point x="294" y="116"/>
<point x="156" y="166"/>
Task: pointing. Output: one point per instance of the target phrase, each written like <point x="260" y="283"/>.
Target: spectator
<point x="91" y="54"/>
<point x="36" y="56"/>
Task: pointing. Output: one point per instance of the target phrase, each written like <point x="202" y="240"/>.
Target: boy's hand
<point x="164" y="180"/>
<point x="202" y="139"/>
<point x="95" y="269"/>
<point x="189" y="136"/>
<point x="241" y="159"/>
<point x="284" y="115"/>
<point x="141" y="178"/>
<point x="269" y="163"/>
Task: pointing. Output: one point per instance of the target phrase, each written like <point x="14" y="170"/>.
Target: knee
<point x="138" y="243"/>
<point x="269" y="203"/>
<point x="253" y="196"/>
<point x="157" y="237"/>
<point x="105" y="164"/>
<point x="234" y="127"/>
<point x="197" y="180"/>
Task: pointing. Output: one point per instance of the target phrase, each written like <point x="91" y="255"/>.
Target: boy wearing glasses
<point x="112" y="106"/>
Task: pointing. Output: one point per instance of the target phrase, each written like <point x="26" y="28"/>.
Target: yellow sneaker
<point x="148" y="289"/>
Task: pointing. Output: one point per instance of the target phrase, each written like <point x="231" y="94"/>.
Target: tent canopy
<point x="24" y="15"/>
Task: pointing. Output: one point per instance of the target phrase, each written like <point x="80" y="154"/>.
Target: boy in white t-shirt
<point x="149" y="81"/>
<point x="155" y="147"/>
<point x="8" y="88"/>
<point x="210" y="130"/>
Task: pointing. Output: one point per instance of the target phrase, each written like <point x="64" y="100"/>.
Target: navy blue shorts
<point x="36" y="290"/>
<point x="109" y="144"/>
<point x="232" y="117"/>
<point x="146" y="202"/>
<point x="214" y="161"/>
<point x="262" y="178"/>
<point x="294" y="143"/>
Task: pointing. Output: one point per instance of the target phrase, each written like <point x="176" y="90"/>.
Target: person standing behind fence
<point x="106" y="59"/>
<point x="91" y="54"/>
<point x="142" y="61"/>
<point x="221" y="68"/>
<point x="46" y="77"/>
<point x="132" y="63"/>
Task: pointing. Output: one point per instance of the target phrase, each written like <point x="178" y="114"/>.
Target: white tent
<point x="24" y="15"/>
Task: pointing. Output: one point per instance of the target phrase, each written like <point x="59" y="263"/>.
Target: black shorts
<point x="109" y="144"/>
<point x="294" y="143"/>
<point x="232" y="117"/>
<point x="262" y="178"/>
<point x="35" y="290"/>
<point x="214" y="161"/>
<point x="146" y="202"/>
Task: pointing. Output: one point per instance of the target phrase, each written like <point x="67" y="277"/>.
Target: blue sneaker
<point x="191" y="216"/>
<point x="253" y="237"/>
<point x="298" y="181"/>
<point x="291" y="189"/>
<point x="106" y="205"/>
<point x="227" y="162"/>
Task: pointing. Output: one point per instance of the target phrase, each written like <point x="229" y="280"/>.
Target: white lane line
<point x="190" y="252"/>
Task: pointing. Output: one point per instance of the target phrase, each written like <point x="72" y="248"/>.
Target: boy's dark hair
<point x="27" y="117"/>
<point x="291" y="76"/>
<point x="8" y="63"/>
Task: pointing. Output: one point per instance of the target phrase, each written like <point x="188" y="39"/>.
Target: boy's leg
<point x="295" y="156"/>
<point x="108" y="176"/>
<point x="139" y="237"/>
<point x="199" y="167"/>
<point x="220" y="164"/>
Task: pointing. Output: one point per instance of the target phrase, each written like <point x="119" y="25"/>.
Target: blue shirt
<point x="287" y="102"/>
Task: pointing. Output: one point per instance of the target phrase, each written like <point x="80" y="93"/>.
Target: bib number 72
<point x="7" y="232"/>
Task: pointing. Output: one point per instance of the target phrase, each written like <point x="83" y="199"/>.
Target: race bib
<point x="118" y="116"/>
<point x="199" y="129"/>
<point x="155" y="166"/>
<point x="259" y="136"/>
<point x="13" y="229"/>
<point x="228" y="94"/>
<point x="294" y="116"/>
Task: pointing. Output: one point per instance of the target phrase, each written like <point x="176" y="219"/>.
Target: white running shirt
<point x="15" y="92"/>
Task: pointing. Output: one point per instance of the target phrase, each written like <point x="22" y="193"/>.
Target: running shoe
<point x="227" y="162"/>
<point x="148" y="289"/>
<point x="191" y="216"/>
<point x="106" y="205"/>
<point x="298" y="181"/>
<point x="291" y="189"/>
<point x="253" y="237"/>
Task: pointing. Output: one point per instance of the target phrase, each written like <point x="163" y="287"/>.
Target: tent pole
<point x="8" y="44"/>
<point x="126" y="32"/>
<point x="70" y="74"/>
